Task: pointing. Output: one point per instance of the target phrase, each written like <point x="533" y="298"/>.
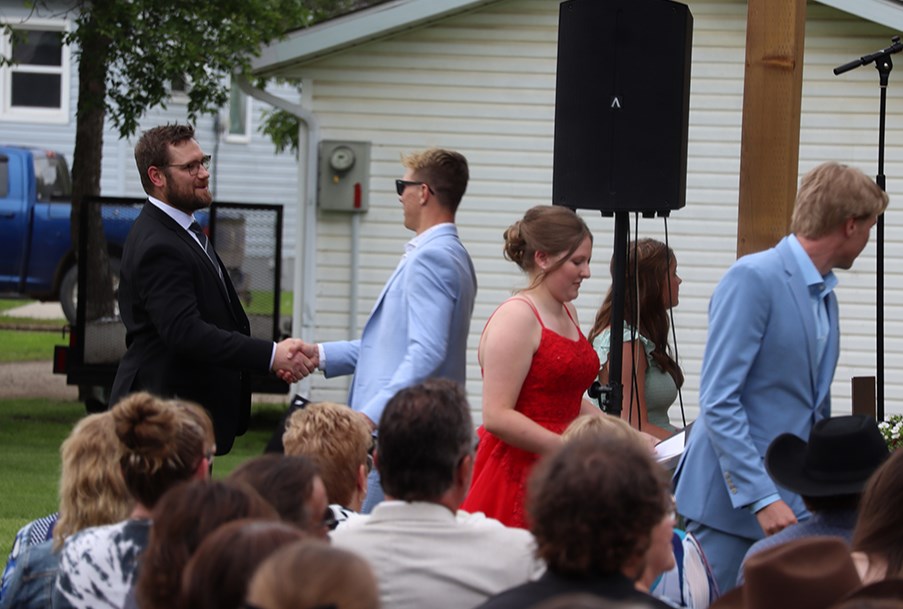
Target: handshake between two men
<point x="295" y="359"/>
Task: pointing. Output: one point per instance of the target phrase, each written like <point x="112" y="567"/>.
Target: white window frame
<point x="32" y="114"/>
<point x="238" y="138"/>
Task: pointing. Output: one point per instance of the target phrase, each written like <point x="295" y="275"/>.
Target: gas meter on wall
<point x="344" y="176"/>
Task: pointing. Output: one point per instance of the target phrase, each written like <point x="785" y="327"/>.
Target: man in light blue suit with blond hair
<point x="769" y="361"/>
<point x="419" y="326"/>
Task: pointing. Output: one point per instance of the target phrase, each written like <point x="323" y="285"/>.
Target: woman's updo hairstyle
<point x="162" y="445"/>
<point x="551" y="229"/>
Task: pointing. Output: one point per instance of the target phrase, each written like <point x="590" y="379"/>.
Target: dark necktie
<point x="208" y="249"/>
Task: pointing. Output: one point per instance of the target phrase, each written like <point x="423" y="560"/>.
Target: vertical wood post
<point x="769" y="150"/>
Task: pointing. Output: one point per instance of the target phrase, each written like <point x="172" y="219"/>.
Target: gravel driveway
<point x="34" y="380"/>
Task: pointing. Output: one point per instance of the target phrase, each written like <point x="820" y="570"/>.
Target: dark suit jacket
<point x="613" y="587"/>
<point x="186" y="332"/>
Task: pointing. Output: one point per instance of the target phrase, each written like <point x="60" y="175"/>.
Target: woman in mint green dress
<point x="650" y="376"/>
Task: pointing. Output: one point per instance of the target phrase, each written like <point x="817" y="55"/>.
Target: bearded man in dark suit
<point x="186" y="332"/>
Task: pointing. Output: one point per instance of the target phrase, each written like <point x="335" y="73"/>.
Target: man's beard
<point x="188" y="203"/>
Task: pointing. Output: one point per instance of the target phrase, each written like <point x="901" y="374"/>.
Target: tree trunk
<point x="86" y="165"/>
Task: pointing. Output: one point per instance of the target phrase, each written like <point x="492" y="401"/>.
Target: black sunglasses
<point x="400" y="185"/>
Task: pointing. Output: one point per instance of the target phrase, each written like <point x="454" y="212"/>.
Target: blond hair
<point x="602" y="426"/>
<point x="92" y="490"/>
<point x="337" y="439"/>
<point x="830" y="194"/>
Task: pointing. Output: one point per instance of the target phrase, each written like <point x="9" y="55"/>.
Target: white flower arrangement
<point x="892" y="430"/>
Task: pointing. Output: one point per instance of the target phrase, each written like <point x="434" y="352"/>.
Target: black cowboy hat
<point x="841" y="454"/>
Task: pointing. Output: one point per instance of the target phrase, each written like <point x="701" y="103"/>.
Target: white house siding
<point x="484" y="83"/>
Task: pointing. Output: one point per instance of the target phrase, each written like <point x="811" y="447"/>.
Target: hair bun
<point x="515" y="244"/>
<point x="142" y="425"/>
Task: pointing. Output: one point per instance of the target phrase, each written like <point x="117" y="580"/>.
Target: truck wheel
<point x="69" y="289"/>
<point x="69" y="292"/>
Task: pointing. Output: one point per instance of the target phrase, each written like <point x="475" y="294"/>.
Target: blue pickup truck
<point x="37" y="259"/>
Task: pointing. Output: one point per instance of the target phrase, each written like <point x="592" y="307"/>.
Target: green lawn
<point x="21" y="346"/>
<point x="31" y="431"/>
<point x="262" y="303"/>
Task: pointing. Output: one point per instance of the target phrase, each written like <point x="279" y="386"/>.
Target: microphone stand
<point x="610" y="396"/>
<point x="884" y="65"/>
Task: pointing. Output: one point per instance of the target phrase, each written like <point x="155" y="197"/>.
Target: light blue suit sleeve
<point x="738" y="316"/>
<point x="341" y="357"/>
<point x="430" y="284"/>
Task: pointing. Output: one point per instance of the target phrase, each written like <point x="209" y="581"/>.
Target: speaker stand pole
<point x="616" y="348"/>
<point x="884" y="65"/>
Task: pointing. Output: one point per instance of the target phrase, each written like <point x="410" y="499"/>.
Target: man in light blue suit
<point x="772" y="348"/>
<point x="419" y="326"/>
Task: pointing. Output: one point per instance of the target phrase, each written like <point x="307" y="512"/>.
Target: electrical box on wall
<point x="344" y="176"/>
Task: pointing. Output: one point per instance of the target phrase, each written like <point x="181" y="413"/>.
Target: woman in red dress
<point x="536" y="362"/>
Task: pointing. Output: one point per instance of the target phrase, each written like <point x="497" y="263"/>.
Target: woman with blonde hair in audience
<point x="536" y="362"/>
<point x="310" y="574"/>
<point x="162" y="444"/>
<point x="878" y="535"/>
<point x="92" y="493"/>
<point x="218" y="573"/>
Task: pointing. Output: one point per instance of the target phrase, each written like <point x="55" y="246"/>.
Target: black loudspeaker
<point x="622" y="105"/>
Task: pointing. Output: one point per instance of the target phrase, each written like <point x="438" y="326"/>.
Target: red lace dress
<point x="561" y="371"/>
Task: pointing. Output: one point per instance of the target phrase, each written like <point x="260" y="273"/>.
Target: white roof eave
<point x="883" y="12"/>
<point x="303" y="46"/>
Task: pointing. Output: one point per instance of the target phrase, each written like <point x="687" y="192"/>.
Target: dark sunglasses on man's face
<point x="400" y="185"/>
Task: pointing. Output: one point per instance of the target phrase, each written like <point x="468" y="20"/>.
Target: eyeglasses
<point x="400" y="185"/>
<point x="194" y="166"/>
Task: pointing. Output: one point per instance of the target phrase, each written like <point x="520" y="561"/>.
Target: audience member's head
<point x="162" y="445"/>
<point x="593" y="507"/>
<point x="183" y="518"/>
<point x="292" y="485"/>
<point x="311" y="574"/>
<point x="92" y="491"/>
<point x="807" y="573"/>
<point x="583" y="600"/>
<point x="199" y="415"/>
<point x="218" y="573"/>
<point x="604" y="428"/>
<point x="338" y="440"/>
<point x="832" y="468"/>
<point x="884" y="594"/>
<point x="601" y="426"/>
<point x="879" y="527"/>
<point x="425" y="445"/>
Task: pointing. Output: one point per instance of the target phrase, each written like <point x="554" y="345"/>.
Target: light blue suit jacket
<point x="418" y="328"/>
<point x="760" y="378"/>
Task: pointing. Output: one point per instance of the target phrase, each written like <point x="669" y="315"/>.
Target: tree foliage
<point x="281" y="126"/>
<point x="151" y="43"/>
